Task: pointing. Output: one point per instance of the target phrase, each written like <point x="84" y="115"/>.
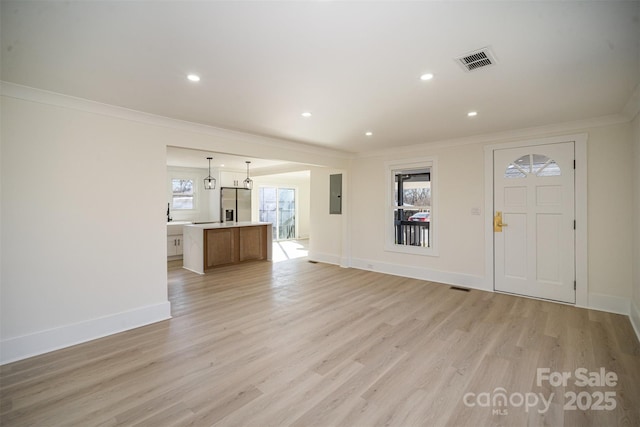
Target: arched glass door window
<point x="532" y="164"/>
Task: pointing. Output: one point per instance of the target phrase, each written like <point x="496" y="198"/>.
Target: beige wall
<point x="461" y="240"/>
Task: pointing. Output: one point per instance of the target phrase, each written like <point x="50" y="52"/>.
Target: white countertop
<point x="226" y="225"/>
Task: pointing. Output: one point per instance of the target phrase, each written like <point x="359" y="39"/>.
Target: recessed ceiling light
<point x="369" y="133"/>
<point x="472" y="113"/>
<point x="222" y="165"/>
<point x="193" y="77"/>
<point x="306" y="114"/>
<point x="426" y="76"/>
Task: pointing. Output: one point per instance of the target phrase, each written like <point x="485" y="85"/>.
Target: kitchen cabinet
<point x="208" y="246"/>
<point x="252" y="243"/>
<point x="174" y="245"/>
<point x="232" y="179"/>
<point x="175" y="239"/>
<point x="232" y="245"/>
<point x="220" y="247"/>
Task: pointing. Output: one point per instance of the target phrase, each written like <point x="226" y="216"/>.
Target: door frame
<point x="296" y="192"/>
<point x="581" y="236"/>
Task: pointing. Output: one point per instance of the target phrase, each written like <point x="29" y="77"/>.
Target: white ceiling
<point x="188" y="158"/>
<point x="354" y="65"/>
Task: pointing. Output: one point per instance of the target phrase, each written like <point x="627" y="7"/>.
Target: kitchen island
<point x="212" y="245"/>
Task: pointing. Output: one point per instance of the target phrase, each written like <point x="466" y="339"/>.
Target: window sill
<point x="413" y="250"/>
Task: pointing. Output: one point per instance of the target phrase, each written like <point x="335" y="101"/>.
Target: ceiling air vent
<point x="477" y="59"/>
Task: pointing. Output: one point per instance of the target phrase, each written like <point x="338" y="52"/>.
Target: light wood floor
<point x="296" y="343"/>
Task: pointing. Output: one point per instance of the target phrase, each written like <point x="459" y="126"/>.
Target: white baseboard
<point x="446" y="277"/>
<point x="19" y="348"/>
<point x="608" y="303"/>
<point x="634" y="316"/>
<point x="325" y="258"/>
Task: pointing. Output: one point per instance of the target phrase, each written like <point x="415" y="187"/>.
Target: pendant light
<point x="209" y="181"/>
<point x="248" y="183"/>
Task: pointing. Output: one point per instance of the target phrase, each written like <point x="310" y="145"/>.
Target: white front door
<point x="535" y="247"/>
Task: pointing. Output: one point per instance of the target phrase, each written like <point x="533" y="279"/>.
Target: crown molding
<point x="511" y="135"/>
<point x="26" y="93"/>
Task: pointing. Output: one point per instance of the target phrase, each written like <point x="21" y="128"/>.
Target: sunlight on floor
<point x="289" y="249"/>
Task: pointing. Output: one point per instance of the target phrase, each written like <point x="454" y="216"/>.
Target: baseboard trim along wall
<point x="14" y="349"/>
<point x="611" y="304"/>
<point x="446" y="277"/>
<point x="325" y="258"/>
<point x="634" y="316"/>
<point x="601" y="302"/>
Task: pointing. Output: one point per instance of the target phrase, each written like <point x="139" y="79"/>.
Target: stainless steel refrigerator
<point x="235" y="204"/>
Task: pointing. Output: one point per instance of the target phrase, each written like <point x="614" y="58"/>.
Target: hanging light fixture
<point x="209" y="181"/>
<point x="248" y="183"/>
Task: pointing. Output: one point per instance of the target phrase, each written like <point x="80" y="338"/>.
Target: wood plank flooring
<point x="302" y="344"/>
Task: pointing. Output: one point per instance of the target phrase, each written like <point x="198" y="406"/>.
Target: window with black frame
<point x="412" y="207"/>
<point x="411" y="218"/>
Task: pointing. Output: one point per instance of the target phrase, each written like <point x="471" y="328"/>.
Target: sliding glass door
<point x="278" y="206"/>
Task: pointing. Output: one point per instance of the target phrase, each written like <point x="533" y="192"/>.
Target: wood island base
<point x="207" y="246"/>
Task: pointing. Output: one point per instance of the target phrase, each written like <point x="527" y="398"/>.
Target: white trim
<point x="296" y="195"/>
<point x="443" y="277"/>
<point x="609" y="303"/>
<point x="581" y="235"/>
<point x="389" y="237"/>
<point x="582" y="260"/>
<point x="501" y="137"/>
<point x="19" y="348"/>
<point x="27" y="93"/>
<point x="325" y="258"/>
<point x="186" y="174"/>
<point x="345" y="258"/>
<point x="634" y="317"/>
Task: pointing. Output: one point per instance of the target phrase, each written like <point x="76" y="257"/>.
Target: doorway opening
<point x="277" y="205"/>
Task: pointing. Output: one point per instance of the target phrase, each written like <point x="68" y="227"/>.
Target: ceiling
<point x="188" y="158"/>
<point x="354" y="65"/>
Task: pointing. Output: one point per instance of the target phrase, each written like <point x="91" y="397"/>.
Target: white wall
<point x="83" y="227"/>
<point x="461" y="234"/>
<point x="207" y="201"/>
<point x="328" y="240"/>
<point x="460" y="240"/>
<point x="635" y="303"/>
<point x="76" y="265"/>
<point x="302" y="185"/>
<point x="610" y="195"/>
<point x="83" y="215"/>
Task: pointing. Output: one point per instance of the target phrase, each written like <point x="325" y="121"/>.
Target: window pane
<point x="524" y="163"/>
<point x="551" y="169"/>
<point x="287" y="217"/>
<point x="513" y="172"/>
<point x="182" y="193"/>
<point x="538" y="161"/>
<point x="412" y="207"/>
<point x="267" y="208"/>
<point x="537" y="164"/>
